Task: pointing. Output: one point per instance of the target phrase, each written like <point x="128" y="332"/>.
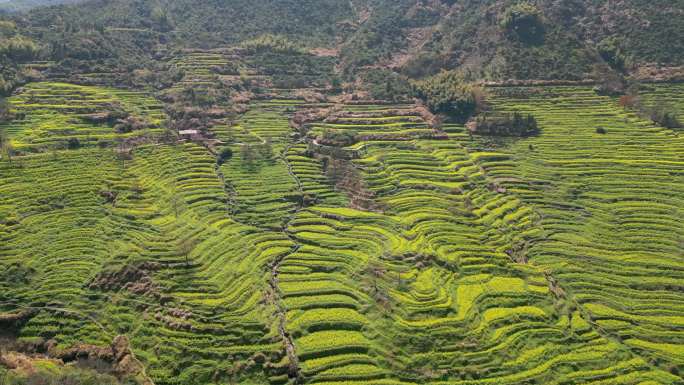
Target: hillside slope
<point x="549" y="40"/>
<point x="24" y="5"/>
<point x="492" y="39"/>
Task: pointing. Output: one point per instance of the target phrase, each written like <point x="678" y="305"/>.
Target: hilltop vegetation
<point x="23" y="5"/>
<point x="492" y="40"/>
<point x="521" y="40"/>
<point x="15" y="49"/>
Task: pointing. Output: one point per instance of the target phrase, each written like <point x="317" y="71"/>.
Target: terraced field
<point x="52" y="113"/>
<point x="440" y="258"/>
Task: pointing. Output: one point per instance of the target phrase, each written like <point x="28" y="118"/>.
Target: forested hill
<point x="207" y="23"/>
<point x="491" y="39"/>
<point x="23" y="5"/>
<point x="544" y="39"/>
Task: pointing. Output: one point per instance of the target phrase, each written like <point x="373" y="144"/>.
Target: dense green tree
<point x="515" y="124"/>
<point x="611" y="51"/>
<point x="19" y="49"/>
<point x="524" y="21"/>
<point x="161" y="18"/>
<point x="225" y="155"/>
<point x="384" y="84"/>
<point x="15" y="49"/>
<point x="448" y="94"/>
<point x="7" y="28"/>
<point x="272" y="43"/>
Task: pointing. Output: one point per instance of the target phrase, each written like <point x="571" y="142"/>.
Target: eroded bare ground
<point x="25" y="359"/>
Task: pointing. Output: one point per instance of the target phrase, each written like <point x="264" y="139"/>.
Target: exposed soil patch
<point x="10" y="322"/>
<point x="133" y="278"/>
<point x="325" y="52"/>
<point x="116" y="359"/>
<point x="348" y="179"/>
<point x="303" y="117"/>
<point x="655" y="73"/>
<point x="418" y="113"/>
<point x="177" y="319"/>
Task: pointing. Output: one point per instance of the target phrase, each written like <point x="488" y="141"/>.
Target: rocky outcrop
<point x="12" y="321"/>
<point x="303" y="117"/>
<point x="118" y="355"/>
<point x="116" y="359"/>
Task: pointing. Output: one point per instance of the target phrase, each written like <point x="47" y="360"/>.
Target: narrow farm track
<point x="252" y="134"/>
<point x="294" y="371"/>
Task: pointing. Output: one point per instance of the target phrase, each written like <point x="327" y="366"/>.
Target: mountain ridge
<point x="417" y="38"/>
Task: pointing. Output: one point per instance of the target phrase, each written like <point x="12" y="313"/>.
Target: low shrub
<point x="230" y="68"/>
<point x="506" y="125"/>
<point x="63" y="376"/>
<point x="628" y="101"/>
<point x="225" y="155"/>
<point x="336" y="138"/>
<point x="609" y="82"/>
<point x="73" y="143"/>
<point x="16" y="273"/>
<point x="659" y="113"/>
<point x="663" y="116"/>
<point x="131" y="123"/>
